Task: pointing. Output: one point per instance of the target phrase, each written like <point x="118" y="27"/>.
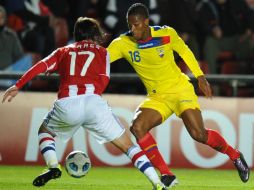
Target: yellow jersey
<point x="153" y="60"/>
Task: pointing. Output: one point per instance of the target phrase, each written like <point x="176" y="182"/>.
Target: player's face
<point x="139" y="27"/>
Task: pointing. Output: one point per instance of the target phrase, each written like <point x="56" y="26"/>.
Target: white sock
<point x="141" y="162"/>
<point x="48" y="150"/>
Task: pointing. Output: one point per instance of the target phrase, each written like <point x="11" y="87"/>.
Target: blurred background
<point x="219" y="32"/>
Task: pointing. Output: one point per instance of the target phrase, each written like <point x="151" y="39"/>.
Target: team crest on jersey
<point x="160" y="51"/>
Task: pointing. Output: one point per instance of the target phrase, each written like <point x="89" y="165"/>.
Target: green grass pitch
<point x="109" y="178"/>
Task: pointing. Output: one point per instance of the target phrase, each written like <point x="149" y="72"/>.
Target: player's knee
<point x="138" y="130"/>
<point x="43" y="129"/>
<point x="199" y="135"/>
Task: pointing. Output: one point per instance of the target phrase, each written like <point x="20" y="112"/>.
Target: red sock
<point x="217" y="142"/>
<point x="149" y="145"/>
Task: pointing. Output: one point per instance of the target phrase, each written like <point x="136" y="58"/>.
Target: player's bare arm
<point x="10" y="93"/>
<point x="204" y="86"/>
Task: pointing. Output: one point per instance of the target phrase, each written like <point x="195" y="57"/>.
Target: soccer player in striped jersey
<point x="149" y="49"/>
<point x="84" y="70"/>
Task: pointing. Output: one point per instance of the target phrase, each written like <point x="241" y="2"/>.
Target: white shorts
<point x="88" y="111"/>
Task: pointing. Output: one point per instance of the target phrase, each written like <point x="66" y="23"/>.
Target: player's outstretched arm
<point x="10" y="93"/>
<point x="204" y="86"/>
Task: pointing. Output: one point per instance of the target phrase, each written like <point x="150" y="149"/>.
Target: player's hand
<point x="205" y="86"/>
<point x="10" y="93"/>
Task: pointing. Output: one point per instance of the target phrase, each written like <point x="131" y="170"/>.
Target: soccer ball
<point x="77" y="164"/>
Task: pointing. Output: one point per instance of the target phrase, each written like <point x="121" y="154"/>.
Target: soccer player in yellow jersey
<point x="150" y="51"/>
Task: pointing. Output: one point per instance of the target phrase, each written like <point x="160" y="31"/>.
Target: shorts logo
<point x="49" y="116"/>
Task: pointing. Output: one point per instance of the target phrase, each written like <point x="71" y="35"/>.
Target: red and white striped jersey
<point x="83" y="68"/>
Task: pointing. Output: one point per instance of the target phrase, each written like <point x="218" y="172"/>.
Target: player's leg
<point x="144" y="120"/>
<point x="58" y="122"/>
<point x="138" y="159"/>
<point x="106" y="127"/>
<point x="47" y="149"/>
<point x="193" y="121"/>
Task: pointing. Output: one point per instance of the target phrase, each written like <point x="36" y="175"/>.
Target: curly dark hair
<point x="138" y="9"/>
